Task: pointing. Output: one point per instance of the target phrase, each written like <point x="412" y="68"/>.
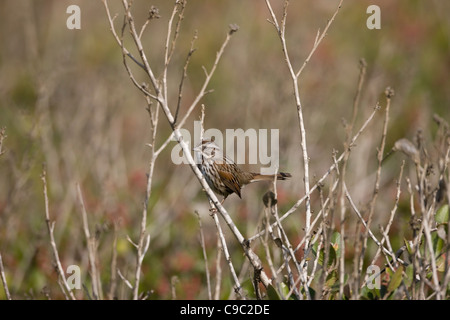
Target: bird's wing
<point x="230" y="181"/>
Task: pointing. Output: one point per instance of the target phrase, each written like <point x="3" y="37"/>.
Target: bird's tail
<point x="269" y="177"/>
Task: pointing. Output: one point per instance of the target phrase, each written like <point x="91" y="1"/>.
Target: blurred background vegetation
<point x="67" y="102"/>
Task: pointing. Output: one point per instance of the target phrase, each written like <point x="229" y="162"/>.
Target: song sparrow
<point x="222" y="174"/>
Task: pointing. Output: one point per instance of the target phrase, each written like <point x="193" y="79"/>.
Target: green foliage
<point x="396" y="280"/>
<point x="442" y="214"/>
<point x="333" y="253"/>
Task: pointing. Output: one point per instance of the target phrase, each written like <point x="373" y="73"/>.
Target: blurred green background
<point x="67" y="101"/>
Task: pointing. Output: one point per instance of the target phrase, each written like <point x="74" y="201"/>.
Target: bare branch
<point x="2" y="137"/>
<point x="205" y="257"/>
<point x="319" y="39"/>
<point x="113" y="31"/>
<point x="50" y="227"/>
<point x="91" y="243"/>
<point x="180" y="89"/>
<point x="3" y="277"/>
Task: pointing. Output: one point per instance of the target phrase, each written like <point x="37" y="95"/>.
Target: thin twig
<point x="144" y="238"/>
<point x="205" y="256"/>
<point x="393" y="211"/>
<point x="2" y="275"/>
<point x="218" y="270"/>
<point x="113" y="280"/>
<point x="169" y="49"/>
<point x="152" y="14"/>
<point x="426" y="229"/>
<point x="265" y="244"/>
<point x="91" y="243"/>
<point x="2" y="269"/>
<point x="389" y="93"/>
<point x="183" y="77"/>
<point x="2" y="137"/>
<point x="319" y="39"/>
<point x="125" y="280"/>
<point x="370" y="233"/>
<point x="50" y="227"/>
<point x="343" y="176"/>
<point x="237" y="287"/>
<point x="207" y="80"/>
<point x="113" y="31"/>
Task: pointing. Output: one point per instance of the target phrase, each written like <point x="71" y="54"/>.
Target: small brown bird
<point x="222" y="174"/>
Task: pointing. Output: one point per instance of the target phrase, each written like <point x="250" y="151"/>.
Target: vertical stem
<point x="2" y="275"/>
<point x="389" y="92"/>
<point x="91" y="246"/>
<point x="144" y="238"/>
<point x="50" y="227"/>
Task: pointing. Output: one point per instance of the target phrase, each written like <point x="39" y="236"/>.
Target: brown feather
<point x="230" y="182"/>
<point x="269" y="177"/>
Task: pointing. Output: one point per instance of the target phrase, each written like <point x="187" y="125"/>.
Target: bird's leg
<point x="213" y="210"/>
